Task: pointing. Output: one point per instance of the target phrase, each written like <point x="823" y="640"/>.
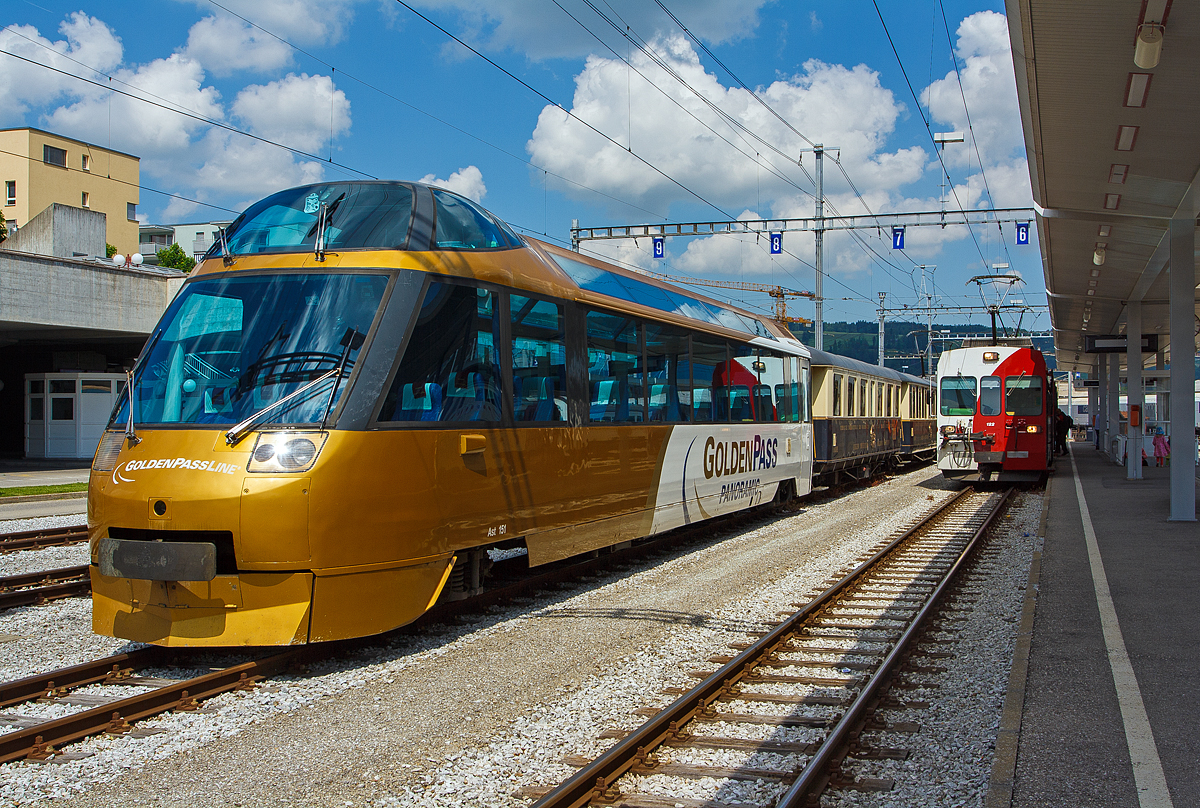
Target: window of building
<point x="131" y="211"/>
<point x="10" y="192"/>
<point x="614" y="369"/>
<point x="449" y="370"/>
<point x="837" y="394"/>
<point x="37" y="408"/>
<point x="85" y="162"/>
<point x="53" y="156"/>
<point x="539" y="360"/>
<point x="85" y="199"/>
<point x="958" y="395"/>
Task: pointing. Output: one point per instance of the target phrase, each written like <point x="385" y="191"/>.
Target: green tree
<point x="3" y="229"/>
<point x="109" y="250"/>
<point x="175" y="258"/>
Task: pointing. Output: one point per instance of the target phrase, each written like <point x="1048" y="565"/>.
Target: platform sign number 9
<point x="777" y="244"/>
<point x="660" y="247"/>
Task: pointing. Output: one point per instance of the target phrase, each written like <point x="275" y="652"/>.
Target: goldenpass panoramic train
<point x="996" y="412"/>
<point x="366" y="386"/>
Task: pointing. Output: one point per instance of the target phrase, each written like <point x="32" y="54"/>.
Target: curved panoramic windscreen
<point x="463" y="226"/>
<point x="362" y="216"/>
<point x="230" y="347"/>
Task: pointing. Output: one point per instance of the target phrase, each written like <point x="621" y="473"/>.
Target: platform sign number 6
<point x="660" y="246"/>
<point x="777" y="244"/>
<point x="1022" y="233"/>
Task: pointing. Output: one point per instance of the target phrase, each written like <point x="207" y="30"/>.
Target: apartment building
<point x="39" y="168"/>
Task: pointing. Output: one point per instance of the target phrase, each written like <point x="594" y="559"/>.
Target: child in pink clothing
<point x="1162" y="448"/>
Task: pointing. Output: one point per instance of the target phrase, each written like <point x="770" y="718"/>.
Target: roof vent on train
<point x="378" y="215"/>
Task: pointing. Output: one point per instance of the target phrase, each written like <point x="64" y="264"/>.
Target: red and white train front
<point x="996" y="408"/>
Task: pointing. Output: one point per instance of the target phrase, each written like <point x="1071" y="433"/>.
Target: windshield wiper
<point x="322" y="226"/>
<point x="130" y="434"/>
<point x="352" y="340"/>
<point x="238" y="432"/>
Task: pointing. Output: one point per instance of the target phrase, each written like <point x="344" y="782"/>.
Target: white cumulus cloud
<point x="225" y="45"/>
<point x="466" y="181"/>
<point x="302" y="111"/>
<point x="24" y="85"/>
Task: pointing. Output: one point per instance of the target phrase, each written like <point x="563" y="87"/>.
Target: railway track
<point x="36" y="588"/>
<point x="828" y="668"/>
<point x="45" y="537"/>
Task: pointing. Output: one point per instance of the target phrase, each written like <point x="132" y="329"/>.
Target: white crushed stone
<point x="40" y="522"/>
<point x="21" y="562"/>
<point x="527" y="750"/>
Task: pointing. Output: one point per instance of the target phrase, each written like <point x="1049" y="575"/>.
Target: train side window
<point x="708" y="353"/>
<point x="668" y="373"/>
<point x="837" y="394"/>
<point x="989" y="395"/>
<point x="958" y="395"/>
<point x="862" y="397"/>
<point x="539" y="360"/>
<point x="1023" y="395"/>
<point x="614" y="369"/>
<point x="449" y="371"/>
<point x="805" y="400"/>
<point x="879" y="391"/>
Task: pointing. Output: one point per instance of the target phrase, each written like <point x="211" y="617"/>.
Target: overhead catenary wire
<point x="570" y="114"/>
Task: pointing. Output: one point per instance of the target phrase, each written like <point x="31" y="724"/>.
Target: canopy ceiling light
<point x="1098" y="256"/>
<point x="1148" y="49"/>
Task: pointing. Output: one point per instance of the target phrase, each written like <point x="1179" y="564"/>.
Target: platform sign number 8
<point x="660" y="247"/>
<point x="777" y="244"/>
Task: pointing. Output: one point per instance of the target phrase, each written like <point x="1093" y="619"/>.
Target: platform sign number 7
<point x="897" y="238"/>
<point x="777" y="244"/>
<point x="660" y="247"/>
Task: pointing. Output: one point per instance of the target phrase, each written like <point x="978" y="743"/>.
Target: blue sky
<point x="370" y="88"/>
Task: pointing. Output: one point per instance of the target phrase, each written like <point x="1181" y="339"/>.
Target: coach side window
<point x="958" y="395"/>
<point x="708" y="353"/>
<point x="539" y="360"/>
<point x="837" y="394"/>
<point x="668" y="373"/>
<point x="614" y="369"/>
<point x="449" y="370"/>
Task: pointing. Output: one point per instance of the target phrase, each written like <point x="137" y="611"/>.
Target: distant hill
<point x="860" y="340"/>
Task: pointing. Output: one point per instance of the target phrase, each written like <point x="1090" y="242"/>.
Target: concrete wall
<point x="41" y="292"/>
<point x="61" y="231"/>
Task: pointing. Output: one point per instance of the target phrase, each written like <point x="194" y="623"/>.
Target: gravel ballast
<point x="468" y="714"/>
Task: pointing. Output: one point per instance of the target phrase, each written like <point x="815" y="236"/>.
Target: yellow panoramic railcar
<point x="866" y="417"/>
<point x="366" y="386"/>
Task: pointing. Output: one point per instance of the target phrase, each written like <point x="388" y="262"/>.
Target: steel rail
<point x="594" y="779"/>
<point x="39" y="742"/>
<point x="62" y="679"/>
<point x="35" y="588"/>
<point x="817" y="773"/>
<point x="46" y="537"/>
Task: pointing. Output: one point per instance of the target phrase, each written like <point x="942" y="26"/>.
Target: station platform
<point x="1113" y="669"/>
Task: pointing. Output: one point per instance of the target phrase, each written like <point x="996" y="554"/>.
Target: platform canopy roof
<point x="1114" y="151"/>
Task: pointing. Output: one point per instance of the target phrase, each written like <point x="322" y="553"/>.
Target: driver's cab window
<point x="449" y="371"/>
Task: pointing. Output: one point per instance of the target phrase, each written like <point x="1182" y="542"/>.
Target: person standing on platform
<point x="1062" y="428"/>
<point x="1162" y="448"/>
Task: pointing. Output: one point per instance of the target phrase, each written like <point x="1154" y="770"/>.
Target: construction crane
<point x="780" y="293"/>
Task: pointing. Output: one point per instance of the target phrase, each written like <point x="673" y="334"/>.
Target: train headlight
<point x="948" y="429"/>
<point x="991" y="356"/>
<point x="276" y="452"/>
<point x="1033" y="428"/>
